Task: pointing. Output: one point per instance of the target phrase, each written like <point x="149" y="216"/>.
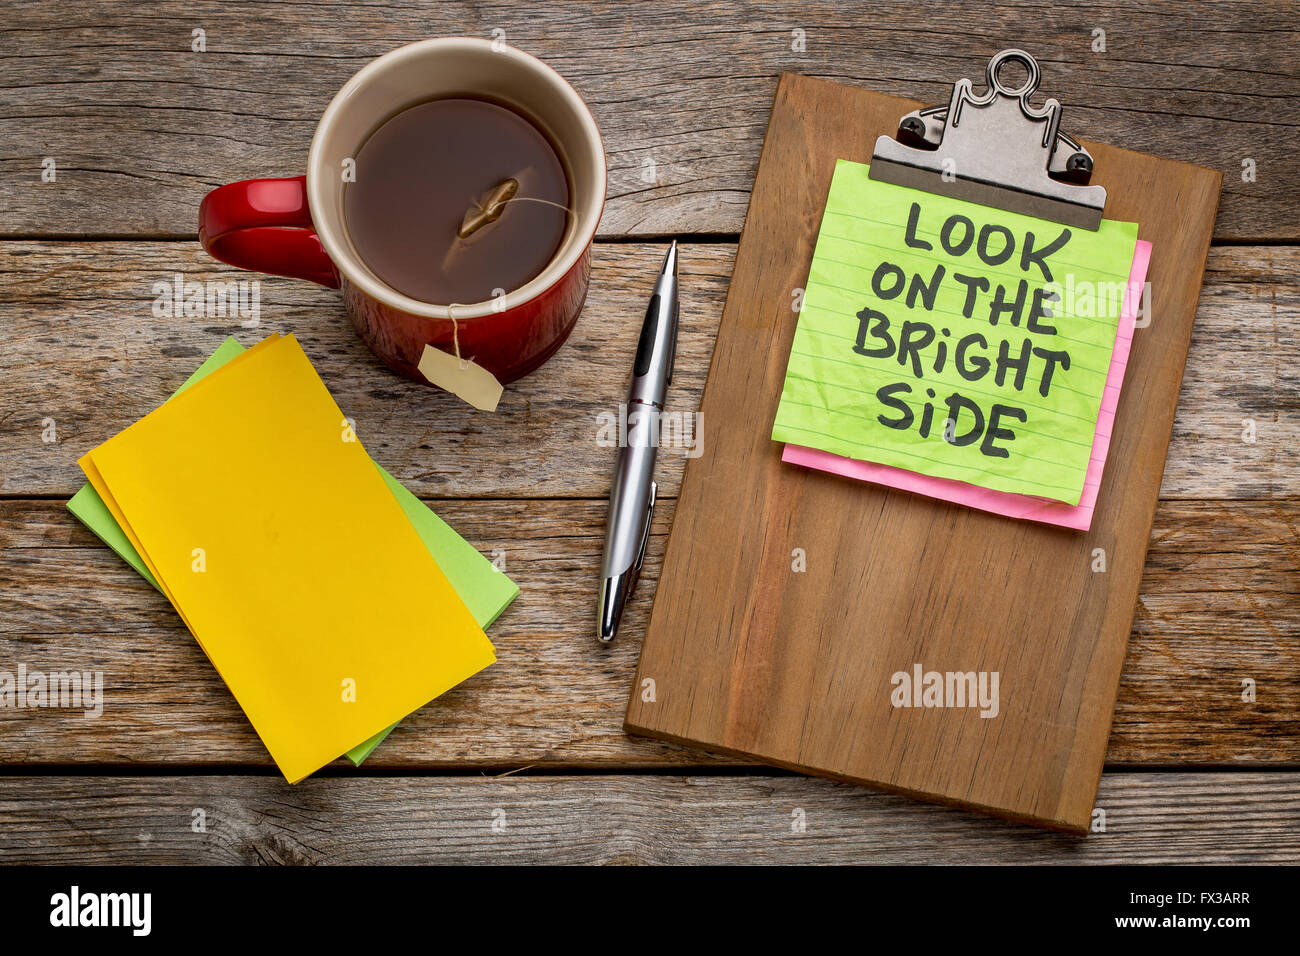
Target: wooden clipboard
<point x="748" y="656"/>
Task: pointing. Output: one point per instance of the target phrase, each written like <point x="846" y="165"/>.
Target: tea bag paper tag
<point x="462" y="378"/>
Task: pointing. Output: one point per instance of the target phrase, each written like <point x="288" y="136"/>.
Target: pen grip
<point x="629" y="501"/>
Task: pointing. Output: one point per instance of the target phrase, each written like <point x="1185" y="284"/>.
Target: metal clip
<point x="997" y="150"/>
<point x="649" y="518"/>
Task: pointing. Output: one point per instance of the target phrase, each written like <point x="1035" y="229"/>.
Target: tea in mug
<point x="457" y="200"/>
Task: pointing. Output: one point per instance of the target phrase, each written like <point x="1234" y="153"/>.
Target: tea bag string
<point x="545" y="202"/>
<point x="478" y="216"/>
<point x="455" y="331"/>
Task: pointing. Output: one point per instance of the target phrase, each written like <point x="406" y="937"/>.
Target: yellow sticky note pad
<point x="295" y="568"/>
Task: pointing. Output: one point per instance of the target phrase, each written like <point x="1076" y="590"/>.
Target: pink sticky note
<point x="1030" y="507"/>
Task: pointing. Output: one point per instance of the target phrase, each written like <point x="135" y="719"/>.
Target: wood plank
<point x="80" y="345"/>
<point x="1220" y="602"/>
<point x="800" y="669"/>
<point x="140" y="127"/>
<point x="1201" y="818"/>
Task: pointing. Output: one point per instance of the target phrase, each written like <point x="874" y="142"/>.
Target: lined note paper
<point x="1027" y="507"/>
<point x="953" y="339"/>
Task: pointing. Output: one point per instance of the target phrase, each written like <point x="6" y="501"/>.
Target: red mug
<point x="294" y="227"/>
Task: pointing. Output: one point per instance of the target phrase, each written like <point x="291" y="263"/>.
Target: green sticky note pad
<point x="485" y="590"/>
<point x="953" y="339"/>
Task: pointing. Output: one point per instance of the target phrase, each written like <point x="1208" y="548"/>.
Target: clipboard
<point x="746" y="655"/>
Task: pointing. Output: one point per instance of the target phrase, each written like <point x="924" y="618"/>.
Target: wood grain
<point x="81" y="346"/>
<point x="140" y="127"/>
<point x="1244" y="818"/>
<point x="793" y="665"/>
<point x="1220" y="603"/>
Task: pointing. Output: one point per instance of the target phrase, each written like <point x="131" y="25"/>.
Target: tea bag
<point x="482" y="211"/>
<point x="480" y="214"/>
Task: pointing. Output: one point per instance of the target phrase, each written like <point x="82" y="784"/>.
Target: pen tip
<point x="670" y="261"/>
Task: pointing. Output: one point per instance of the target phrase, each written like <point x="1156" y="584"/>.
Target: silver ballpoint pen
<point x="632" y="497"/>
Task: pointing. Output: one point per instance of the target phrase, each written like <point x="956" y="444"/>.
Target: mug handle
<point x="265" y="225"/>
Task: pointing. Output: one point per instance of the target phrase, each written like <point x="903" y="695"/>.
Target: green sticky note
<point x="953" y="339"/>
<point x="485" y="590"/>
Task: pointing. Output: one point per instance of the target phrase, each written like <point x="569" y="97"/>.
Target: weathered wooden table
<point x="528" y="761"/>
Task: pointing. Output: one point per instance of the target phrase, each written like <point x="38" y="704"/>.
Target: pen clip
<point x="645" y="535"/>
